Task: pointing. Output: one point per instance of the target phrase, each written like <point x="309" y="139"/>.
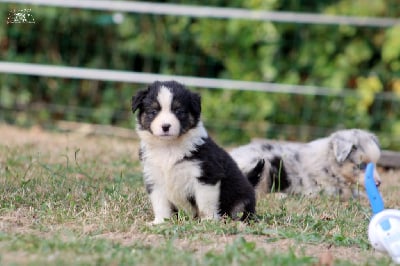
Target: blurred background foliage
<point x="364" y="60"/>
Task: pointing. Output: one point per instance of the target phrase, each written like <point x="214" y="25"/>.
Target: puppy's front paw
<point x="209" y="216"/>
<point x="157" y="221"/>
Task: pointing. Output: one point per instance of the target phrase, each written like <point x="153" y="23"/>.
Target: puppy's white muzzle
<point x="165" y="125"/>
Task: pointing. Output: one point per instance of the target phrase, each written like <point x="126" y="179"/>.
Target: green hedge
<point x="363" y="59"/>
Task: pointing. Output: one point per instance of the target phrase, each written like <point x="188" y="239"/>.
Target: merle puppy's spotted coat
<point x="183" y="168"/>
<point x="333" y="166"/>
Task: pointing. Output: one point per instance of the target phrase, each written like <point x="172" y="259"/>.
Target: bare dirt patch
<point x="69" y="142"/>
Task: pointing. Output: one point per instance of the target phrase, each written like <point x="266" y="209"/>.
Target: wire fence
<point x="276" y="74"/>
<point x="213" y="12"/>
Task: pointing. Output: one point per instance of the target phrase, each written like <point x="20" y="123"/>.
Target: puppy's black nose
<point x="378" y="183"/>
<point x="165" y="127"/>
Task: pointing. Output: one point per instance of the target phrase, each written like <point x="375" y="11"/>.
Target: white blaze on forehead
<point x="164" y="98"/>
<point x="165" y="116"/>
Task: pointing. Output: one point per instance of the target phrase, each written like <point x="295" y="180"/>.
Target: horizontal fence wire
<point x="145" y="78"/>
<point x="213" y="12"/>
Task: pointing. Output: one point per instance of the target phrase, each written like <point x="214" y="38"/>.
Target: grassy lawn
<point x="74" y="199"/>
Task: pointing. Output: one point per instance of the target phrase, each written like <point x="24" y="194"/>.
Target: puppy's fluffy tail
<point x="254" y="175"/>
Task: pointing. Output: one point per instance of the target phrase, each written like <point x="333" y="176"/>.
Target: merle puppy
<point x="183" y="167"/>
<point x="334" y="165"/>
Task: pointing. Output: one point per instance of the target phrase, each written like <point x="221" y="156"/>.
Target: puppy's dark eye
<point x="362" y="166"/>
<point x="179" y="111"/>
<point x="151" y="112"/>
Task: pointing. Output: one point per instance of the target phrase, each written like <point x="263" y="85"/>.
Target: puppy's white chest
<point x="176" y="177"/>
<point x="181" y="181"/>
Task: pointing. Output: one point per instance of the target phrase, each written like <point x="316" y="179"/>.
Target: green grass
<point x="87" y="251"/>
<point x="84" y="204"/>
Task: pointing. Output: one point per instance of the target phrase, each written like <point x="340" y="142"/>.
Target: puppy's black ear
<point x="138" y="99"/>
<point x="195" y="104"/>
<point x="341" y="148"/>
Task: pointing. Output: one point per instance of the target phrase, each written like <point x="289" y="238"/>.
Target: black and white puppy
<point x="183" y="168"/>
